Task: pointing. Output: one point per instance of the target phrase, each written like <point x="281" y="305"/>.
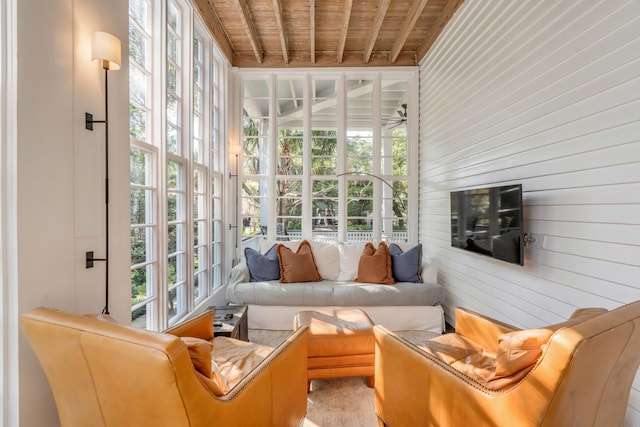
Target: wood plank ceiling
<point x="325" y="33"/>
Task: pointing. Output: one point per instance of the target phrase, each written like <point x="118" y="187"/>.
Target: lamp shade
<point x="106" y="47"/>
<point x="235" y="149"/>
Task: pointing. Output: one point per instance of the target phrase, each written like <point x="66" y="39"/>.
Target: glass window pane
<point x="140" y="245"/>
<point x="172" y="79"/>
<point x="140" y="202"/>
<point x="137" y="85"/>
<point x="172" y="109"/>
<point x="137" y="46"/>
<point x="138" y="11"/>
<point x="137" y="123"/>
<point x="139" y="164"/>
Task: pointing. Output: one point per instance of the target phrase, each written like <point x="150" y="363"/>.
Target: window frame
<point x="381" y="194"/>
<point x="184" y="252"/>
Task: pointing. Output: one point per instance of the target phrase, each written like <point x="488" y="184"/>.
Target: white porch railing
<point x="332" y="236"/>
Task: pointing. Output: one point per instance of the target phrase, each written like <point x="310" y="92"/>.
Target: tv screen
<point x="488" y="221"/>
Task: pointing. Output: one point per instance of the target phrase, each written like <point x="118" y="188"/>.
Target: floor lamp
<point x="105" y="47"/>
<point x="396" y="196"/>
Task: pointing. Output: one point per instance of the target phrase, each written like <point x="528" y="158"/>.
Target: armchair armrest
<point x="201" y="326"/>
<point x="276" y="389"/>
<point x="480" y="329"/>
<point x="414" y="388"/>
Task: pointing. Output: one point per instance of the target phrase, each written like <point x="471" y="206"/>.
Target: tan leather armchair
<point x="103" y="374"/>
<point x="582" y="376"/>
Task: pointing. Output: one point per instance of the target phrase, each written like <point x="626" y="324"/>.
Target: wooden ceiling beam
<point x="212" y="21"/>
<point x="250" y="30"/>
<point x="410" y="21"/>
<point x="277" y="9"/>
<point x="312" y="30"/>
<point x="443" y="19"/>
<point x="348" y="4"/>
<point x="383" y="5"/>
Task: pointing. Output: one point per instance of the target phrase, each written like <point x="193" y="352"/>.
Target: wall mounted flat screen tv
<point x="488" y="221"/>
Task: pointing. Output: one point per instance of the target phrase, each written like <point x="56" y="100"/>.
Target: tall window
<point x="330" y="156"/>
<point x="175" y="166"/>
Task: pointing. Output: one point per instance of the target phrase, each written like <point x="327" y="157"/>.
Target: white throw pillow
<point x="349" y="260"/>
<point x="327" y="258"/>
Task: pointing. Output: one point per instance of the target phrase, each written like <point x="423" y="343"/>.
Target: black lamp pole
<point x="89" y="259"/>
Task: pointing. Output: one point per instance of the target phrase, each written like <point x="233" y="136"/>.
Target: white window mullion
<point x="413" y="160"/>
<point x="307" y="229"/>
<point x="272" y="150"/>
<point x="158" y="317"/>
<point x="377" y="185"/>
<point x="187" y="150"/>
<point x="342" y="156"/>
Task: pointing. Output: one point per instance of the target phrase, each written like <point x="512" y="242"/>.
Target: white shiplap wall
<point x="545" y="93"/>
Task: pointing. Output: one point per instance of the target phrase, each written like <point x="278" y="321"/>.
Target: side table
<point x="231" y="321"/>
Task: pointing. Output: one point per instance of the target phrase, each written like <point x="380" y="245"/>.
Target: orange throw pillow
<point x="297" y="266"/>
<point x="200" y="354"/>
<point x="375" y="265"/>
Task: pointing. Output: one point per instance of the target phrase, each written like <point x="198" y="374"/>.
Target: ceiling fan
<point x="400" y="120"/>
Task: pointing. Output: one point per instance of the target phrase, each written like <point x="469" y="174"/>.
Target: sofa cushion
<point x="297" y="266"/>
<point x="263" y="267"/>
<point x="327" y="259"/>
<point x="375" y="265"/>
<point x="349" y="254"/>
<point x="406" y="265"/>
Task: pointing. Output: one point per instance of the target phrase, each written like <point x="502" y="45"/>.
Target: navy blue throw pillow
<point x="263" y="267"/>
<point x="406" y="266"/>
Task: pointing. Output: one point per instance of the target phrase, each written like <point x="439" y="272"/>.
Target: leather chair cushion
<point x="236" y="358"/>
<point x="451" y="348"/>
<point x="375" y="265"/>
<point x="297" y="266"/>
<point x="520" y="350"/>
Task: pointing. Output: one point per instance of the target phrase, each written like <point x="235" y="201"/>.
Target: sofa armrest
<point x="480" y="329"/>
<point x="239" y="273"/>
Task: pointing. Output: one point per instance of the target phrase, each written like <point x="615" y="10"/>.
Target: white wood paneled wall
<point x="545" y="93"/>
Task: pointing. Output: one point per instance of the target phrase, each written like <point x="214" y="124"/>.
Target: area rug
<point x="337" y="402"/>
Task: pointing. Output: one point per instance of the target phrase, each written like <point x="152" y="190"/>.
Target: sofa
<point x="412" y="301"/>
<point x="575" y="373"/>
<point x="104" y="374"/>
